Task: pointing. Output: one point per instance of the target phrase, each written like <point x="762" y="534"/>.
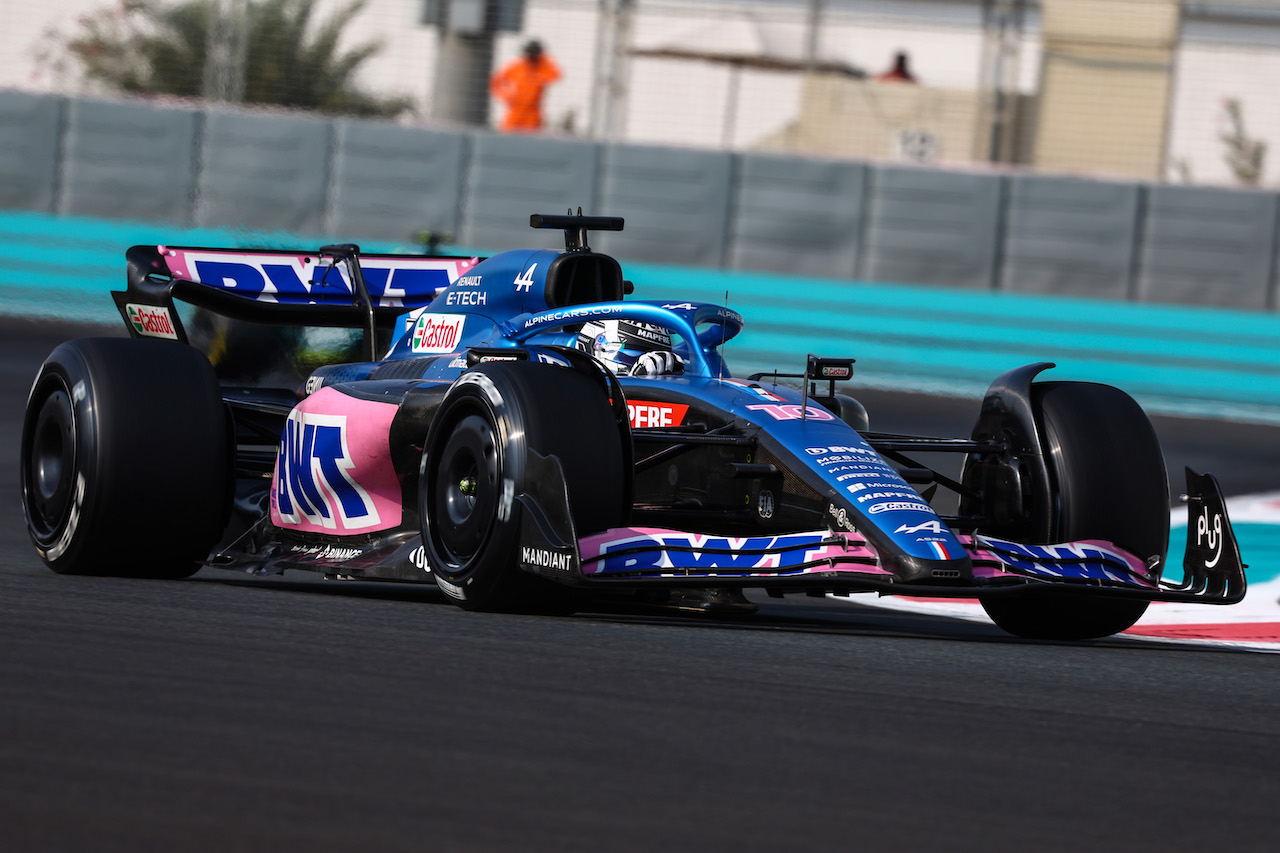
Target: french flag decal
<point x="940" y="550"/>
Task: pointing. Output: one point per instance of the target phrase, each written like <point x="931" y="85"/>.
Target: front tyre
<point x="125" y="459"/>
<point x="1108" y="476"/>
<point x="474" y="469"/>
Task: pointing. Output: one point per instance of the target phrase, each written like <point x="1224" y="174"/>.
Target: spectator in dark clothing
<point x="899" y="73"/>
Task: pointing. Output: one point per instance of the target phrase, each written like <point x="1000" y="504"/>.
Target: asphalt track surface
<point x="227" y="713"/>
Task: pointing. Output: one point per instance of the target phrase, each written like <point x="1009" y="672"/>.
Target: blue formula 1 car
<point x="529" y="439"/>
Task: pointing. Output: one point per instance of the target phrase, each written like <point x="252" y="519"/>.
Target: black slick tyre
<point x="125" y="459"/>
<point x="1109" y="478"/>
<point x="474" y="467"/>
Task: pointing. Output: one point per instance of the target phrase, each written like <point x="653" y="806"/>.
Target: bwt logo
<point x="838" y="448"/>
<point x="709" y="552"/>
<point x="265" y="281"/>
<point x="313" y="479"/>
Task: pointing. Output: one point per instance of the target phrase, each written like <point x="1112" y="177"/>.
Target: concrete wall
<point x="802" y="217"/>
<point x="1064" y="236"/>
<point x="30" y="130"/>
<point x="932" y="227"/>
<point x="843" y="220"/>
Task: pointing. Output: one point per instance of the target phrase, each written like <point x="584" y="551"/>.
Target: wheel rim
<point x="466" y="489"/>
<point x="49" y="472"/>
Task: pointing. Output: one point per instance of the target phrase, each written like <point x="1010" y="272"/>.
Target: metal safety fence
<point x="1153" y="90"/>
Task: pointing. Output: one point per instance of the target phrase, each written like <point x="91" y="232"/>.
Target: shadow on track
<point x="795" y="615"/>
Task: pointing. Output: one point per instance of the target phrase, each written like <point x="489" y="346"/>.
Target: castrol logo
<point x="151" y="321"/>
<point x="437" y="332"/>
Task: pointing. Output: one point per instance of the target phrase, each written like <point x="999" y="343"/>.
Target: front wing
<point x="846" y="562"/>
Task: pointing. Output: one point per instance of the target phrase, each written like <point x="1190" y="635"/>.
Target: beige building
<point x="1103" y="105"/>
<point x="866" y="120"/>
<point x="1105" y="85"/>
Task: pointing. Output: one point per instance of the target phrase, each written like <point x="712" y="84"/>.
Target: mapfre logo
<point x="151" y="321"/>
<point x="655" y="414"/>
<point x="437" y="332"/>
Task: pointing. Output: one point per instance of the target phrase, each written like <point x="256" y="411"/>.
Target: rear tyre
<point x="1108" y="474"/>
<point x="125" y="463"/>
<point x="474" y="466"/>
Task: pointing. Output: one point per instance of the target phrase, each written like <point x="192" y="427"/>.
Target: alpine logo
<point x="437" y="332"/>
<point x="934" y="527"/>
<point x="151" y="321"/>
<point x="524" y="281"/>
<point x="645" y="414"/>
<point x="312" y="475"/>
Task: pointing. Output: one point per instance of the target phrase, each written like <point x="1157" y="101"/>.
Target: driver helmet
<point x="619" y="344"/>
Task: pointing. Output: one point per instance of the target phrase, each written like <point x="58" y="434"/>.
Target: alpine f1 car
<point x="530" y="438"/>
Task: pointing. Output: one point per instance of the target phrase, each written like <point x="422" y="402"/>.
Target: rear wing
<point x="333" y="286"/>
